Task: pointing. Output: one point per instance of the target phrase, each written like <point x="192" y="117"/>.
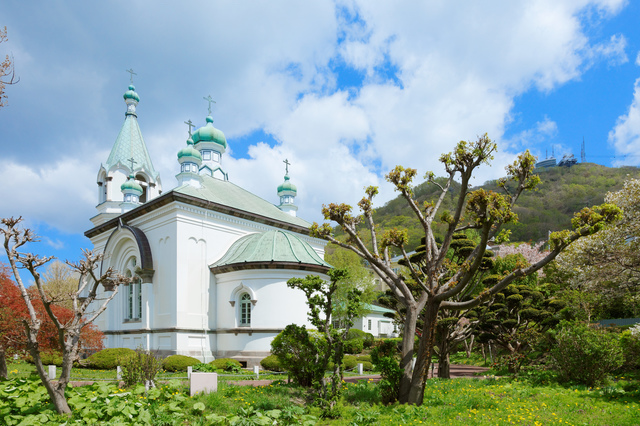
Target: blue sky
<point x="345" y="90"/>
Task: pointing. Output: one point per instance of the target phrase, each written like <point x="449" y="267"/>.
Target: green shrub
<point x="48" y="358"/>
<point x="271" y="363"/>
<point x="364" y="358"/>
<point x="140" y="368"/>
<point x="297" y="350"/>
<point x="349" y="362"/>
<point x="367" y="366"/>
<point x="108" y="359"/>
<point x="367" y="338"/>
<point x="179" y="362"/>
<point x="353" y="346"/>
<point x="630" y="342"/>
<point x="586" y="355"/>
<point x="385" y="358"/>
<point x="226" y="364"/>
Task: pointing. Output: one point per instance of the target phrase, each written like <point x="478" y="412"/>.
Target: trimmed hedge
<point x="271" y="363"/>
<point x="226" y="364"/>
<point x="108" y="359"/>
<point x="48" y="358"/>
<point x="179" y="362"/>
<point x="367" y="338"/>
<point x="353" y="346"/>
<point x="364" y="358"/>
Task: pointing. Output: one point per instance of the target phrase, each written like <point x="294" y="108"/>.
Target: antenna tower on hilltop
<point x="583" y="153"/>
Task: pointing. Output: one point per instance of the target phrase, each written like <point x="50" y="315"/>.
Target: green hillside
<point x="562" y="192"/>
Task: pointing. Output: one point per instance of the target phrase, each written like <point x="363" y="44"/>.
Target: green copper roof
<point x="130" y="144"/>
<point x="131" y="94"/>
<point x="208" y="133"/>
<point x="271" y="246"/>
<point x="131" y="184"/>
<point x="229" y="194"/>
<point x="190" y="151"/>
<point x="287" y="186"/>
<point x="378" y="309"/>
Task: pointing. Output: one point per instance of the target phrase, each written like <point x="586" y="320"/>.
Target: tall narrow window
<point x="245" y="310"/>
<point x="132" y="294"/>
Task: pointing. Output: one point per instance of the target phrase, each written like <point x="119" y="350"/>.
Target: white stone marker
<point x="360" y="369"/>
<point x="52" y="372"/>
<point x="256" y="371"/>
<point x="204" y="382"/>
<point x="189" y="371"/>
<point x="118" y="373"/>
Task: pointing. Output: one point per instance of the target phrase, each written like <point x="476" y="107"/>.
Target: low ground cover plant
<point x="447" y="402"/>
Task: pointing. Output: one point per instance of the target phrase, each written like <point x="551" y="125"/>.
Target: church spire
<point x="128" y="157"/>
<point x="287" y="193"/>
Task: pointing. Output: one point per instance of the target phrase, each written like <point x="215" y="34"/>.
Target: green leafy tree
<point x="518" y="316"/>
<point x="358" y="278"/>
<point x="317" y="353"/>
<point x="608" y="263"/>
<point x="482" y="210"/>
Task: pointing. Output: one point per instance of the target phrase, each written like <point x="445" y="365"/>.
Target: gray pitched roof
<point x="229" y="194"/>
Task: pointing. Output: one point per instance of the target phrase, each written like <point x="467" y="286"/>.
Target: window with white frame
<point x="132" y="294"/>
<point x="245" y="310"/>
<point x="369" y="324"/>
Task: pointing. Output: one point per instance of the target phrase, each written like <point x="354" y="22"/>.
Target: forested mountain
<point x="563" y="192"/>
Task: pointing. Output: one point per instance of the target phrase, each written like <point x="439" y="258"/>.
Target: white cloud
<point x="434" y="73"/>
<point x="625" y="136"/>
<point x="62" y="194"/>
<point x="613" y="51"/>
<point x="638" y="59"/>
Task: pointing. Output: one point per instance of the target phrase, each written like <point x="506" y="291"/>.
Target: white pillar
<point x="118" y="373"/>
<point x="189" y="371"/>
<point x="52" y="372"/>
<point x="256" y="371"/>
<point x="360" y="369"/>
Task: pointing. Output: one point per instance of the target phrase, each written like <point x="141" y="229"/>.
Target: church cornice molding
<point x="269" y="265"/>
<point x="237" y="330"/>
<point x="172" y="196"/>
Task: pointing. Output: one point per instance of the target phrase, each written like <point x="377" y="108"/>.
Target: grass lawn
<point x="447" y="402"/>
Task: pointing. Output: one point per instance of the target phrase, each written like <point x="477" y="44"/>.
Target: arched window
<point x="132" y="294"/>
<point x="245" y="310"/>
<point x="143" y="183"/>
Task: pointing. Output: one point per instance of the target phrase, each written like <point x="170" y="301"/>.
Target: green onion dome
<point x="131" y="185"/>
<point x="190" y="151"/>
<point x="131" y="94"/>
<point x="287" y="187"/>
<point x="208" y="133"/>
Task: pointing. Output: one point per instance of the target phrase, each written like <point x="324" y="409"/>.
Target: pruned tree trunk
<point x="406" y="362"/>
<point x="468" y="345"/>
<point x="444" y="348"/>
<point x="423" y="358"/>
<point x="4" y="373"/>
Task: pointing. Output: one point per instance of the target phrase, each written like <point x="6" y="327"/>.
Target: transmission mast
<point x="583" y="153"/>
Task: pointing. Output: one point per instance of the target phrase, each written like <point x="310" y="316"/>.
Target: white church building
<point x="210" y="259"/>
